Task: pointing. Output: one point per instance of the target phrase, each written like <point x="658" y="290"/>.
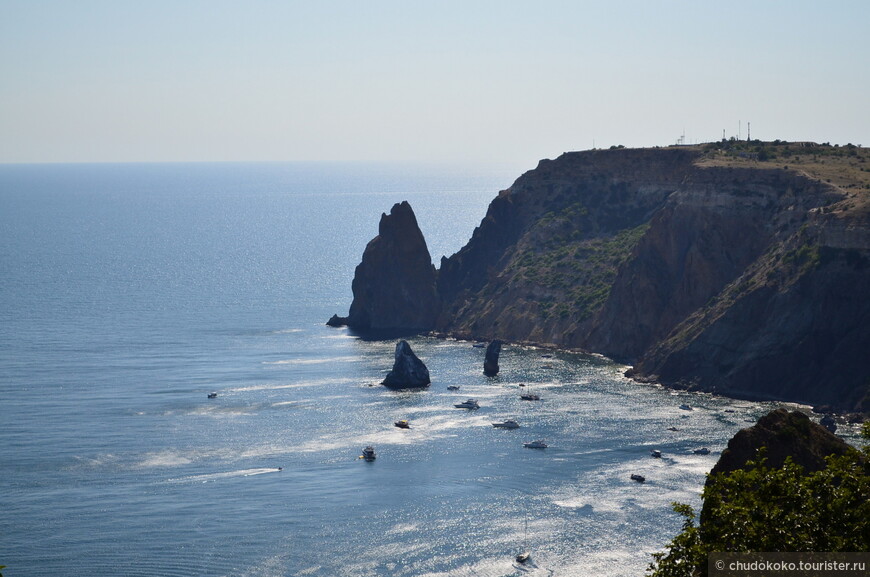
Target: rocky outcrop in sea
<point x="408" y="372"/>
<point x="394" y="285"/>
<point x="490" y="362"/>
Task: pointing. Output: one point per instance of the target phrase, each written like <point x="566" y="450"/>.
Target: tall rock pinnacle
<point x="394" y="285"/>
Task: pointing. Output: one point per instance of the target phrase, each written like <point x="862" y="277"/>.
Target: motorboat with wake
<point x="469" y="404"/>
<point x="535" y="445"/>
<point x="368" y="453"/>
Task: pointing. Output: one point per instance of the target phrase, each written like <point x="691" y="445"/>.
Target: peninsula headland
<point x="740" y="268"/>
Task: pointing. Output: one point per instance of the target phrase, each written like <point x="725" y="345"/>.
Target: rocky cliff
<point x="394" y="285"/>
<point x="701" y="266"/>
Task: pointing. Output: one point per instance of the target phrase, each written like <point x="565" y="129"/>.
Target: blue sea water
<point x="129" y="292"/>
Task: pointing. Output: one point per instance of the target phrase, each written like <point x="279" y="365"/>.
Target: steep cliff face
<point x="701" y="268"/>
<point x="542" y="261"/>
<point x="394" y="285"/>
<point x="710" y="230"/>
<point x="794" y="326"/>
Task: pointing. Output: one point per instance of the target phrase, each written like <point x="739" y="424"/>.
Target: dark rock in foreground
<point x="490" y="363"/>
<point x="394" y="285"/>
<point x="408" y="372"/>
<point x="783" y="434"/>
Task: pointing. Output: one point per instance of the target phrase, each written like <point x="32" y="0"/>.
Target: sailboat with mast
<point x="528" y="395"/>
<point x="524" y="555"/>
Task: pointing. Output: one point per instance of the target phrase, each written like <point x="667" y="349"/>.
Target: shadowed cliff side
<point x="394" y="285"/>
<point x="793" y="326"/>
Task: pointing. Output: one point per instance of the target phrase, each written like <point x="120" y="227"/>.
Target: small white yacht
<point x="535" y="445"/>
<point x="702" y="451"/>
<point x="523" y="557"/>
<point x="656" y="453"/>
<point x="685" y="407"/>
<point x="469" y="404"/>
<point x="508" y="424"/>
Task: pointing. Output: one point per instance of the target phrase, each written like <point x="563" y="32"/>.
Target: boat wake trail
<point x="225" y="475"/>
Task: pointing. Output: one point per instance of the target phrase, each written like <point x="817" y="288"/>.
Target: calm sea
<point x="130" y="292"/>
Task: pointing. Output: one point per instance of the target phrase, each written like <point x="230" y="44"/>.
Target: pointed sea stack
<point x="394" y="285"/>
<point x="490" y="363"/>
<point x="408" y="372"/>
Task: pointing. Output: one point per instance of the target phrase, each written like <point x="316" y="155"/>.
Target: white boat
<point x="656" y="453"/>
<point x="212" y="395"/>
<point x="702" y="451"/>
<point x="469" y="404"/>
<point x="403" y="424"/>
<point x="535" y="445"/>
<point x="508" y="424"/>
<point x="368" y="453"/>
<point x="528" y="395"/>
<point x="523" y="557"/>
<point x="685" y="407"/>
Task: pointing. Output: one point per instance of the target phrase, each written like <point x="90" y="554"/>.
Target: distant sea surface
<point x="130" y="292"/>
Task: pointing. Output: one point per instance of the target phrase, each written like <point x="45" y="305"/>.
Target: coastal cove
<point x="129" y="293"/>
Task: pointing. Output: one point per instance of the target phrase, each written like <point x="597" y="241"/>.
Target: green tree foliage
<point x="774" y="509"/>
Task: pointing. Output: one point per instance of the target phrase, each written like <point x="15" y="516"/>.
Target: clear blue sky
<point x="499" y="81"/>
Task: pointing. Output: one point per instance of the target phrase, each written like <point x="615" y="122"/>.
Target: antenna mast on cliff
<point x="748" y="139"/>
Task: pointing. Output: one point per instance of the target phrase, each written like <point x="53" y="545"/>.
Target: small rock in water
<point x="490" y="363"/>
<point x="408" y="372"/>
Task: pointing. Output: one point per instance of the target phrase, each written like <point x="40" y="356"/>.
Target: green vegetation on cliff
<point x="774" y="509"/>
<point x="847" y="167"/>
<point x="576" y="272"/>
